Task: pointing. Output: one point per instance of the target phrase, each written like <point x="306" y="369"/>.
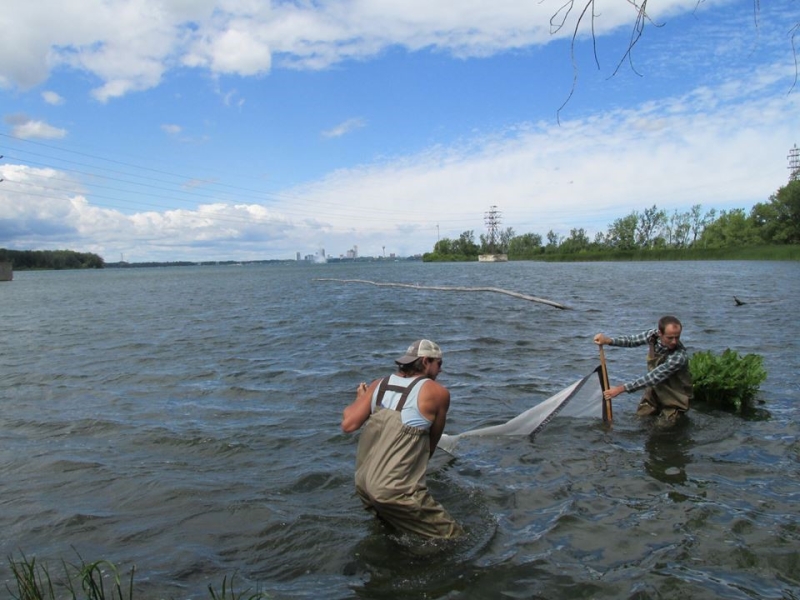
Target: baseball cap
<point x="419" y="349"/>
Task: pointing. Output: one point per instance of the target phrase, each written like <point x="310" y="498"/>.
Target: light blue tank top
<point x="410" y="414"/>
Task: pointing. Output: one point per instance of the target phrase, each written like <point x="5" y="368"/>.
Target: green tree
<point x="649" y="226"/>
<point x="500" y="243"/>
<point x="553" y="241"/>
<point x="622" y="233"/>
<point x="699" y="221"/>
<point x="576" y="241"/>
<point x="600" y="242"/>
<point x="523" y="246"/>
<point x="444" y="247"/>
<point x="51" y="259"/>
<point x="732" y="228"/>
<point x="778" y="222"/>
<point x="93" y="261"/>
<point x="678" y="230"/>
<point x="446" y="250"/>
<point x="505" y="239"/>
<point x="466" y="245"/>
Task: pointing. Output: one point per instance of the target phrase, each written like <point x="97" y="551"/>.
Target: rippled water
<point x="186" y="421"/>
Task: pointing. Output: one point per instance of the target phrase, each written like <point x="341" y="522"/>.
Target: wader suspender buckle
<point x="384" y="386"/>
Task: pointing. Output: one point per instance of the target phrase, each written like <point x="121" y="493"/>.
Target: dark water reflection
<point x="186" y="421"/>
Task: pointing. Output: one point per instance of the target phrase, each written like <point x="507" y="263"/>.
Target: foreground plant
<point x="33" y="581"/>
<point x="91" y="578"/>
<point x="228" y="593"/>
<point x="727" y="380"/>
<point x="99" y="580"/>
<point x="86" y="580"/>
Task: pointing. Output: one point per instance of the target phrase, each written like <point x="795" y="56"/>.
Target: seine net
<point x="582" y="399"/>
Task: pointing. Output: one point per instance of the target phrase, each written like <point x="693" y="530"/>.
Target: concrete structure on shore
<point x="493" y="258"/>
<point x="6" y="271"/>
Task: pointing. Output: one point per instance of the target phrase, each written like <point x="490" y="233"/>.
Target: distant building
<point x="319" y="257"/>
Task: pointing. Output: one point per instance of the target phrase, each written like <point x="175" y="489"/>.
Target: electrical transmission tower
<point x="794" y="164"/>
<point x="492" y="220"/>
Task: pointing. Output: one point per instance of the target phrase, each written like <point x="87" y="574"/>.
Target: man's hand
<point x="613" y="392"/>
<point x="359" y="410"/>
<point x="602" y="339"/>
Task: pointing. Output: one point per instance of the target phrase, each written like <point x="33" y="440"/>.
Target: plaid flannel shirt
<point x="676" y="359"/>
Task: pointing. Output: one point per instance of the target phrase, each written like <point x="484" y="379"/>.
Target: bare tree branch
<point x="559" y="20"/>
<point x="636" y="34"/>
<point x="794" y="31"/>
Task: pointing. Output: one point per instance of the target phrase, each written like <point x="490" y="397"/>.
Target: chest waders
<point x="669" y="399"/>
<point x="390" y="471"/>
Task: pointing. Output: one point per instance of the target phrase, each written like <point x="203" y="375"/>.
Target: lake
<point x="185" y="421"/>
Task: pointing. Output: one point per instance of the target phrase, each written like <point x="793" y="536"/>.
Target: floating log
<point x="445" y="288"/>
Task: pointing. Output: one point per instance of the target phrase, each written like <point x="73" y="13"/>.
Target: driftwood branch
<point x="445" y="288"/>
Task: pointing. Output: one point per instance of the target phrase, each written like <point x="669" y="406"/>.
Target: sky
<point x="202" y="130"/>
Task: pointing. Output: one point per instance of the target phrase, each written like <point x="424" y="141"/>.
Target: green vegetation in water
<point x="727" y="380"/>
<point x="99" y="580"/>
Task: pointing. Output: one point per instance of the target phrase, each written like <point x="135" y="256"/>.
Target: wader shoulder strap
<point x="404" y="390"/>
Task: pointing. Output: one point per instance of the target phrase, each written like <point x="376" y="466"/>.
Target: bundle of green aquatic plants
<point x="94" y="581"/>
<point x="727" y="380"/>
<point x="99" y="580"/>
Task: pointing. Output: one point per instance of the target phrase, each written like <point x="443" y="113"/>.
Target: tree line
<point x="774" y="222"/>
<point x="51" y="259"/>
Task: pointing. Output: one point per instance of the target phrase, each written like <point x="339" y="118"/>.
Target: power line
<point x="172" y="190"/>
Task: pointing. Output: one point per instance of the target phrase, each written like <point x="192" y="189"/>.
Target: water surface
<point x="186" y="421"/>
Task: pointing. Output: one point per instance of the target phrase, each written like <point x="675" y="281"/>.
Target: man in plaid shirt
<point x="667" y="383"/>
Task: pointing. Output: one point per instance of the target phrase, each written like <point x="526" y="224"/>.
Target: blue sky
<point x="246" y="129"/>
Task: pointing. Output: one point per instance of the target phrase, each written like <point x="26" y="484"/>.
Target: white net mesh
<point x="582" y="399"/>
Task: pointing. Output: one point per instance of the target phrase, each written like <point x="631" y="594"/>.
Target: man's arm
<point x="435" y="399"/>
<point x="662" y="372"/>
<point x="627" y="341"/>
<point x="358" y="411"/>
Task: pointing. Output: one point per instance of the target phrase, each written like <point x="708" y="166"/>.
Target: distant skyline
<point x="206" y="130"/>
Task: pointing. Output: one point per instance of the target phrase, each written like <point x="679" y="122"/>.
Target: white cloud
<point x="344" y="128"/>
<point x="171" y="129"/>
<point x="674" y="153"/>
<point x="26" y="128"/>
<point x="722" y="145"/>
<point x="238" y="51"/>
<point x="585" y="173"/>
<point x="52" y="98"/>
<point x="129" y="46"/>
